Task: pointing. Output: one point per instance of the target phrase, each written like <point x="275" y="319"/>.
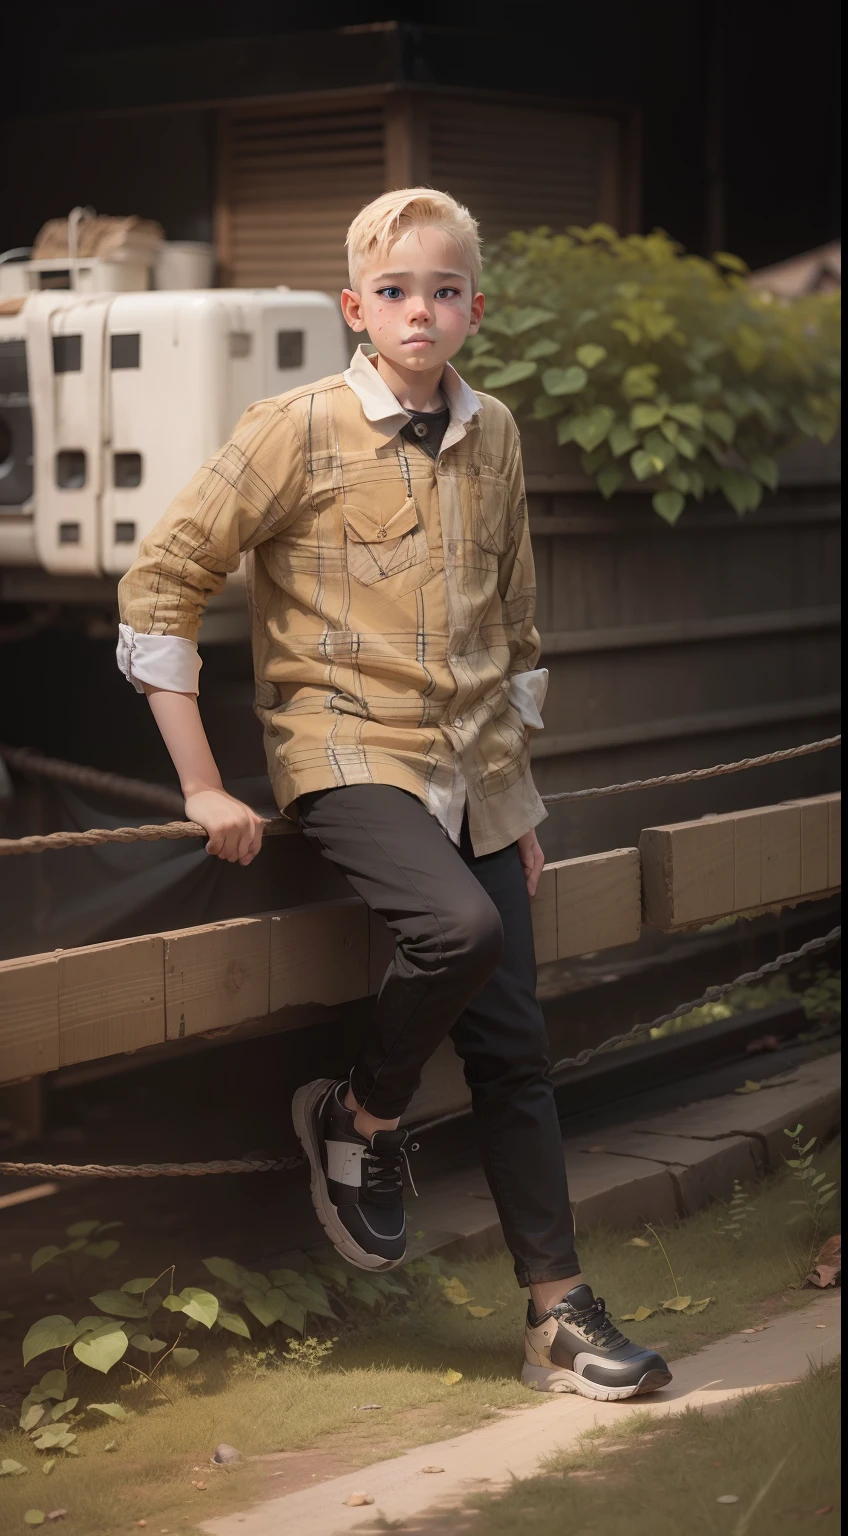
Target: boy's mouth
<point x="417" y="341"/>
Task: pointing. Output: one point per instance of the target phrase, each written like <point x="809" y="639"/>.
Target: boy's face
<point x="417" y="302"/>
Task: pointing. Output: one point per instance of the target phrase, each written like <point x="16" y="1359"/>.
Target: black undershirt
<point x="426" y="429"/>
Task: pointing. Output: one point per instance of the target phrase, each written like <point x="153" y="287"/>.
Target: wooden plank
<point x="815" y="820"/>
<point x="748" y="861"/>
<point x="381" y="949"/>
<point x="781" y="852"/>
<point x="543" y="908"/>
<point x="216" y="975"/>
<point x="834" y="856"/>
<point x="688" y="871"/>
<point x="29" y="1016"/>
<point x="319" y="954"/>
<point x="111" y="998"/>
<point x="599" y="902"/>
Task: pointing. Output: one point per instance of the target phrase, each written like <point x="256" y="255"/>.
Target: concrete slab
<point x="489" y="1458"/>
<point x="701" y="1170"/>
<point x="618" y="1191"/>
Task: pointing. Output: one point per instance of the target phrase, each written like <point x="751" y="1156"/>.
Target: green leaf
<point x="479" y="1311"/>
<point x="82" y="1228"/>
<point x="233" y="1323"/>
<point x="265" y="1311"/>
<point x="103" y="1349"/>
<point x="88" y="1324"/>
<point x="257" y="1281"/>
<point x="48" y="1465"/>
<point x="669" y="505"/>
<point x="200" y="1304"/>
<point x="51" y="1439"/>
<point x="660" y="448"/>
<point x="641" y="1315"/>
<point x="52" y="1332"/>
<point x="334" y="1274"/>
<point x="565" y="428"/>
<point x="111" y="1410"/>
<point x="107" y="1226"/>
<point x="513" y="373"/>
<point x="677" y="1304"/>
<point x="173" y="1303"/>
<point x="643" y="416"/>
<point x="544" y="347"/>
<point x="722" y="424"/>
<point x="34" y="1517"/>
<point x="629" y="329"/>
<point x="45" y="1255"/>
<point x="689" y="413"/>
<point x="364" y="1292"/>
<point x="183" y="1358"/>
<point x="102" y="1250"/>
<point x="11" y="1468"/>
<point x="52" y="1384"/>
<point x="6" y="1316"/>
<point x="621" y="439"/>
<point x="731" y="262"/>
<point x="565" y="381"/>
<point x="144" y="1342"/>
<point x="310" y="1299"/>
<point x="608" y="480"/>
<point x="590" y="354"/>
<point x="590" y="429"/>
<point x="797" y="1131"/>
<point x="766" y="469"/>
<point x="640" y="382"/>
<point x="31" y="1416"/>
<point x="742" y="491"/>
<point x="701" y="1306"/>
<point x="118" y="1304"/>
<point x="643" y="464"/>
<point x="287" y="1310"/>
<point x="138" y="1287"/>
<point x="59" y="1410"/>
<point x="454" y="1291"/>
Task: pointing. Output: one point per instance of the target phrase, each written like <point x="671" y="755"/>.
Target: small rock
<point x="356" y="1499"/>
<point x="368" y="1407"/>
<point x="201" y="1487"/>
<point x="432" y="1469"/>
<point x="728" y="1498"/>
<point x="225" y="1455"/>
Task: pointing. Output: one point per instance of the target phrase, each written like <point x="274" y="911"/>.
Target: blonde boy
<point x="397" y="681"/>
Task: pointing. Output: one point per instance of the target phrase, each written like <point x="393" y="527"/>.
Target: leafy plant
<point x="675" y="1303"/>
<point x="309" y="1353"/>
<point x="664" y="369"/>
<point x="817" y="1190"/>
<point x="738" y="1211"/>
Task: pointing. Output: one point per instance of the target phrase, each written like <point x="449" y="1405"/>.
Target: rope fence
<point x="26" y="761"/>
<point x="269" y="1165"/>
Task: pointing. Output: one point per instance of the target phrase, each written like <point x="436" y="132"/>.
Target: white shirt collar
<point x="387" y="414"/>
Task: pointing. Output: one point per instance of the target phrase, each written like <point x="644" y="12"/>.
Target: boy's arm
<point x="517" y="584"/>
<point x="244" y="495"/>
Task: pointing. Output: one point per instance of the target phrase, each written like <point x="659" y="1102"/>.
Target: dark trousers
<point x="464" y="966"/>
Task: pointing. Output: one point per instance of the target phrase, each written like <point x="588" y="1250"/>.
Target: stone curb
<point x="659" y="1169"/>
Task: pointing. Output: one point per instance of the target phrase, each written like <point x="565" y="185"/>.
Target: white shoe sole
<point x="304" y="1104"/>
<point x="541" y="1378"/>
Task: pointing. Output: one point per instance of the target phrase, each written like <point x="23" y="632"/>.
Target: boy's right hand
<point x="235" y="831"/>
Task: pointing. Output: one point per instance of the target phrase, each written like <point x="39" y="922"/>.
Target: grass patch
<point x="398" y="1360"/>
<point x="776" y="1451"/>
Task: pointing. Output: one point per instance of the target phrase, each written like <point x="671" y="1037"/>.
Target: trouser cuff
<point x="540" y="1275"/>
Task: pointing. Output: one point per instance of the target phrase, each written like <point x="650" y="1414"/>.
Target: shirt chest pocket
<point x="386" y="546"/>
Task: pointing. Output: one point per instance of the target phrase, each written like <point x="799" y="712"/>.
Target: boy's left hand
<point x="532" y="860"/>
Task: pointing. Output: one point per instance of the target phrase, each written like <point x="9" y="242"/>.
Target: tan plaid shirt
<point x="392" y="597"/>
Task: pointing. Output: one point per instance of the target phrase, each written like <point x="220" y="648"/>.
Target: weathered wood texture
<point x="745" y="861"/>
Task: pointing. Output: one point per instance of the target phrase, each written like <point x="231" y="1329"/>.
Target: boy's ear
<point x="478" y="304"/>
<point x="352" y="309"/>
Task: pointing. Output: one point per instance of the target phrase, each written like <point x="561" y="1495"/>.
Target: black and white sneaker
<point x="357" y="1184"/>
<point x="576" y="1347"/>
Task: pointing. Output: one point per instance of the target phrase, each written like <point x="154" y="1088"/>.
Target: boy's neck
<point x="414" y="390"/>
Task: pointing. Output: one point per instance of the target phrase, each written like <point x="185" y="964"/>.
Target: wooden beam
<point x="111" y="998"/>
<point x="29" y="1016"/>
<point x="216" y="975"/>
<point x="319" y="954"/>
<point x="599" y="902"/>
<point x="745" y="861"/>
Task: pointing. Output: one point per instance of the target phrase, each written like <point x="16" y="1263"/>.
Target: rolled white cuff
<point x="527" y="694"/>
<point x="163" y="661"/>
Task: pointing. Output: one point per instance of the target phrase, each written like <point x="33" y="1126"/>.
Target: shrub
<point x="663" y="366"/>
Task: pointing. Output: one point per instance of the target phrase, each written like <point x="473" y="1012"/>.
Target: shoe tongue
<point x="388" y="1141"/>
<point x="581" y="1298"/>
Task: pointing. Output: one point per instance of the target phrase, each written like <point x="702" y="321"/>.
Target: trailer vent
<point x="125" y="350"/>
<point x="290" y="349"/>
<point x="70" y="475"/>
<point x="69" y="533"/>
<point x="67" y="354"/>
<point x="126" y="471"/>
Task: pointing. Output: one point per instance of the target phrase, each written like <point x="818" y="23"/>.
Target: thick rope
<point x="266" y="1165"/>
<point x="90" y="778"/>
<point x="25" y="761"/>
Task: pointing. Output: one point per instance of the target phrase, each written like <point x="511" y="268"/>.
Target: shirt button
<point x="459" y="722"/>
<point x="420" y="428"/>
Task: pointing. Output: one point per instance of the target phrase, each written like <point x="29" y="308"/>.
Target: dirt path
<point x="408" y="1488"/>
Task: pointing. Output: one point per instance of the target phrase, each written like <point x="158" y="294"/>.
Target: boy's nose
<point x="418" y="309"/>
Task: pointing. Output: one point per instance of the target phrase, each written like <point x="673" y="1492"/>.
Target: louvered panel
<point x="293" y="181"/>
<point x="520" y="166"/>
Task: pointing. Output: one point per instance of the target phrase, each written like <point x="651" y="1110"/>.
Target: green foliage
<point x="740" y="1208"/>
<point x="661" y="365"/>
<point x="815" y="1194"/>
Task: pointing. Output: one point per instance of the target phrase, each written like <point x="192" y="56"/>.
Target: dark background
<point x="739" y="103"/>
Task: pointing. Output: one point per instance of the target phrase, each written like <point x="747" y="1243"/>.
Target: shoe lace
<point x="598" y="1326"/>
<point x="384" y="1168"/>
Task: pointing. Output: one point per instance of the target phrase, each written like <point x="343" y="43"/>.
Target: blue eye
<point x="446" y="293"/>
<point x="389" y="293"/>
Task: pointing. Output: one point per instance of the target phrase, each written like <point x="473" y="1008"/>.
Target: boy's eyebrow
<point x="384" y="277"/>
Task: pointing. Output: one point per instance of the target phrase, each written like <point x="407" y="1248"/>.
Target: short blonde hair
<point x="379" y="225"/>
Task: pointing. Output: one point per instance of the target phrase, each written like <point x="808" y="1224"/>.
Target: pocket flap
<point x="373" y="527"/>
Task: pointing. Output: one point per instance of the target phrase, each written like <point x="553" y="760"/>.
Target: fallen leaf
<point x="432" y="1469"/>
<point x="419" y="1235"/>
<point x="356" y="1499"/>
<point x="454" y="1291"/>
<point x="677" y="1304"/>
<point x="641" y="1315"/>
<point x="700" y="1306"/>
<point x="451" y="1378"/>
<point x="824" y="1509"/>
<point x="748" y="1087"/>
<point x="9" y="1468"/>
<point x="728" y="1498"/>
<point x="827" y="1269"/>
<point x="821" y="1325"/>
<point x="638" y="1242"/>
<point x="368" y="1407"/>
<point x="111" y="1445"/>
<point x="57" y="1514"/>
<point x="760" y="1328"/>
<point x="480" y="1311"/>
<point x="34" y="1517"/>
<point x="48" y="1466"/>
